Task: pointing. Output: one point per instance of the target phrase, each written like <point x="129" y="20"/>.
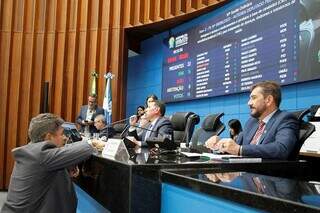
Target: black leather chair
<point x="118" y="129"/>
<point x="313" y="111"/>
<point x="210" y="126"/>
<point x="305" y="130"/>
<point x="183" y="125"/>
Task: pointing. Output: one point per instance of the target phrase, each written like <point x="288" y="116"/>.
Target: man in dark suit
<point x="269" y="133"/>
<point x="40" y="180"/>
<point x="88" y="113"/>
<point x="159" y="125"/>
<point x="104" y="130"/>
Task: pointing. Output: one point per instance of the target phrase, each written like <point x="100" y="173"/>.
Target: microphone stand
<point x="116" y="122"/>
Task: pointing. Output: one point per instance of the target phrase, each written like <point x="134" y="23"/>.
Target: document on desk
<point x="312" y="144"/>
<point x="217" y="156"/>
<point x="191" y="154"/>
<point x="232" y="158"/>
<point x="223" y="157"/>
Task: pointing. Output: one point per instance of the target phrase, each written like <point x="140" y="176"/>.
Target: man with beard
<point x="269" y="133"/>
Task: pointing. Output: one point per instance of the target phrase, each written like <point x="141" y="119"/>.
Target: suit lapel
<point x="144" y="132"/>
<point x="252" y="131"/>
<point x="155" y="128"/>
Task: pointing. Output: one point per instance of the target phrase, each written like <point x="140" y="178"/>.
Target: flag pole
<point x="107" y="100"/>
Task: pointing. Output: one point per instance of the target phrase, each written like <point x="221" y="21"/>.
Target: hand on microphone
<point x="133" y="120"/>
<point x="143" y="121"/>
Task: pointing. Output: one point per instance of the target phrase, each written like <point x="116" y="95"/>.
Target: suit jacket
<point x="83" y="114"/>
<point x="162" y="127"/>
<point x="107" y="132"/>
<point x="277" y="141"/>
<point x="40" y="181"/>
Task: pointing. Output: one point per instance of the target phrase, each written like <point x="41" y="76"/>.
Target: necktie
<point x="258" y="133"/>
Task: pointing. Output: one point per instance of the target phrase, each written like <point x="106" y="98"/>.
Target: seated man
<point x="40" y="171"/>
<point x="105" y="131"/>
<point x="159" y="125"/>
<point x="88" y="113"/>
<point x="270" y="133"/>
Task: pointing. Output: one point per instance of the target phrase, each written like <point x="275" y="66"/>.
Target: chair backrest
<point x="183" y="126"/>
<point x="118" y="128"/>
<point x="210" y="126"/>
<point x="305" y="130"/>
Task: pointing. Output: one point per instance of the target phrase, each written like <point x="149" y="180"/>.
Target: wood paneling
<point x="61" y="42"/>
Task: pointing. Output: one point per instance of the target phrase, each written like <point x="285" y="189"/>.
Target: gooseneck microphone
<point x="119" y="121"/>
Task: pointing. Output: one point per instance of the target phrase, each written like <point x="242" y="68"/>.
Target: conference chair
<point x="118" y="129"/>
<point x="305" y="130"/>
<point x="210" y="126"/>
<point x="313" y="111"/>
<point x="183" y="126"/>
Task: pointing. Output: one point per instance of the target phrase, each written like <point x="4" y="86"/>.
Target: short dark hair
<point x="153" y="96"/>
<point x="270" y="88"/>
<point x="161" y="106"/>
<point x="42" y="124"/>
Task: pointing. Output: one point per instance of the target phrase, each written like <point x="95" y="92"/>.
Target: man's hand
<point x="99" y="145"/>
<point x="74" y="171"/>
<point x="228" y="145"/>
<point x="133" y="120"/>
<point x="212" y="142"/>
<point x="143" y="121"/>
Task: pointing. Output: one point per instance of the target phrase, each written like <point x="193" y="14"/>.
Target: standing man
<point x="159" y="125"/>
<point x="40" y="181"/>
<point x="88" y="113"/>
<point x="269" y="133"/>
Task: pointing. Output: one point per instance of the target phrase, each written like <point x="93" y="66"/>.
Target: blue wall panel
<point x="145" y="77"/>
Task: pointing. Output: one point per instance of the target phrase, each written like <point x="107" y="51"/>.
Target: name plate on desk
<point x="115" y="149"/>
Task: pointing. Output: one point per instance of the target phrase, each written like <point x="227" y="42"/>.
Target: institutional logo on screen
<point x="171" y="42"/>
<point x="178" y="41"/>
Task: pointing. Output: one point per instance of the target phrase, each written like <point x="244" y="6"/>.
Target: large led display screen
<point x="253" y="41"/>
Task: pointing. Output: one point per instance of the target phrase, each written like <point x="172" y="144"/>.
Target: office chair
<point x="210" y="126"/>
<point x="305" y="130"/>
<point x="183" y="126"/>
<point x="118" y="129"/>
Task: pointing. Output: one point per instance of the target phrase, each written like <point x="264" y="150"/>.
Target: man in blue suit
<point x="269" y="133"/>
<point x="159" y="125"/>
<point x="88" y="113"/>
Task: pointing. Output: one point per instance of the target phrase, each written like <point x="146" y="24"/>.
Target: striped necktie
<point x="258" y="134"/>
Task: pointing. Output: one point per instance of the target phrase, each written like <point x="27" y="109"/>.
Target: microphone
<point x="119" y="121"/>
<point x="110" y="130"/>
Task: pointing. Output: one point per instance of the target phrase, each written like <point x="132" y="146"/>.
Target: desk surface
<point x="266" y="192"/>
<point x="120" y="185"/>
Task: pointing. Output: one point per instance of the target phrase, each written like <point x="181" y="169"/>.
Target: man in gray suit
<point x="88" y="113"/>
<point x="269" y="133"/>
<point x="159" y="125"/>
<point x="40" y="181"/>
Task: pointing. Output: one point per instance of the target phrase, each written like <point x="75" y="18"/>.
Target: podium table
<point x="136" y="185"/>
<point x="241" y="190"/>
